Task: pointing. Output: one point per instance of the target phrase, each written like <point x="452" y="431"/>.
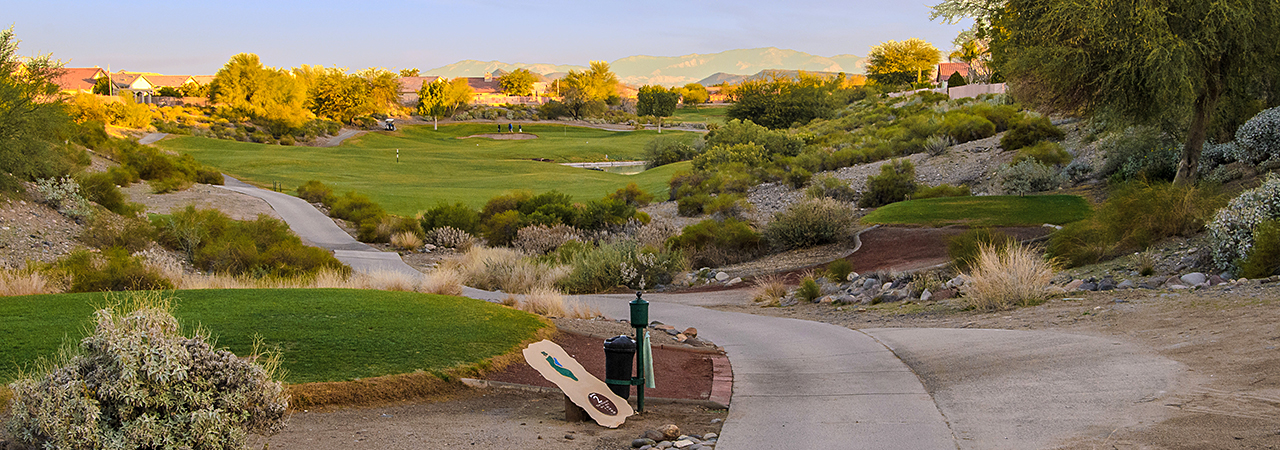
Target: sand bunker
<point x="503" y="136"/>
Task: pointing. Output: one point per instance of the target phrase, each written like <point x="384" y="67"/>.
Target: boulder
<point x="1126" y="284"/>
<point x="653" y="435"/>
<point x="1089" y="286"/>
<point x="721" y="276"/>
<point x="852" y="276"/>
<point x="691" y="332"/>
<point x="639" y="443"/>
<point x="669" y="432"/>
<point x="926" y="295"/>
<point x="1194" y="279"/>
<point x="734" y="281"/>
<point x="1106" y="284"/>
<point x="1074" y="285"/>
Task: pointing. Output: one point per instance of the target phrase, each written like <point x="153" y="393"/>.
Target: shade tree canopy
<point x="33" y="123"/>
<point x="518" y="82"/>
<point x="902" y="62"/>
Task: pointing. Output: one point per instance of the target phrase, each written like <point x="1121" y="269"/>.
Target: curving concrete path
<point x="800" y="384"/>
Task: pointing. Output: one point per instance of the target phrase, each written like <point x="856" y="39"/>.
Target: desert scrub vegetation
<point x="113" y="269"/>
<point x="811" y="223"/>
<point x="165" y="172"/>
<point x="1232" y="230"/>
<point x="963" y="248"/>
<point x="718" y="242"/>
<point x="137" y="382"/>
<point x="214" y="242"/>
<point x="622" y="262"/>
<point x="1002" y="278"/>
<point x="1028" y="176"/>
<point x="504" y="269"/>
<point x="769" y="290"/>
<point x="896" y="181"/>
<point x="1115" y="229"/>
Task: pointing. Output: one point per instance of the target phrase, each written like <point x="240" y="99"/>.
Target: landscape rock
<point x="1106" y="284"/>
<point x="669" y="431"/>
<point x="430" y="247"/>
<point x="1215" y="280"/>
<point x="682" y="443"/>
<point x="1074" y="285"/>
<point x="1126" y="284"/>
<point x="1194" y="279"/>
<point x="735" y="281"/>
<point x="691" y="332"/>
<point x="681" y="337"/>
<point x="1089" y="286"/>
<point x="672" y="331"/>
<point x="870" y="282"/>
<point x="640" y="443"/>
<point x="721" y="276"/>
<point x="653" y="435"/>
<point x="710" y="436"/>
<point x="926" y="295"/>
<point x="852" y="276"/>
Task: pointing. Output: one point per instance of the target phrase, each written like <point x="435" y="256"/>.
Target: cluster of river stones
<point x="669" y="436"/>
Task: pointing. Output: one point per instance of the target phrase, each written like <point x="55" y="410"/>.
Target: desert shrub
<point x="963" y="248"/>
<point x="941" y="190"/>
<point x="956" y="80"/>
<point x="101" y="188"/>
<point x="504" y="269"/>
<point x="25" y="282"/>
<point x="63" y="194"/>
<point x="1258" y="139"/>
<point x="1078" y="171"/>
<point x="727" y="206"/>
<point x="621" y="263"/>
<point x="690" y="206"/>
<point x="715" y="243"/>
<point x="1045" y="152"/>
<point x="457" y="215"/>
<point x="938" y="144"/>
<point x="1139" y="152"/>
<point x="137" y="383"/>
<point x="750" y="154"/>
<point x="540" y="239"/>
<point x="1028" y="131"/>
<point x="450" y="237"/>
<point x="405" y="240"/>
<point x="388" y="226"/>
<point x="356" y="208"/>
<point x="130" y="232"/>
<point x="1028" y="176"/>
<point x="828" y="186"/>
<point x="964" y="127"/>
<point x="1002" y="116"/>
<point x="632" y="195"/>
<point x="1263" y="259"/>
<point x="797" y="177"/>
<point x="896" y="181"/>
<point x="1232" y="230"/>
<point x="808" y="290"/>
<point x="261" y="247"/>
<point x="1115" y="228"/>
<point x="316" y="192"/>
<point x="206" y="175"/>
<point x="663" y="150"/>
<point x="112" y="270"/>
<point x="838" y="271"/>
<point x="769" y="289"/>
<point x="501" y="228"/>
<point x="735" y="132"/>
<point x="170" y="184"/>
<point x="1005" y="277"/>
<point x="811" y="223"/>
<point x="1214" y="154"/>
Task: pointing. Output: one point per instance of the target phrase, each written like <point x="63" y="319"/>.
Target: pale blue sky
<point x="181" y="38"/>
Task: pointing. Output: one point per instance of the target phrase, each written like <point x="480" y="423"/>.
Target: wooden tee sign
<point x="584" y="390"/>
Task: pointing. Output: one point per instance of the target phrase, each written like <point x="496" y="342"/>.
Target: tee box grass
<point x="983" y="211"/>
<point x="322" y="334"/>
<point x="444" y="165"/>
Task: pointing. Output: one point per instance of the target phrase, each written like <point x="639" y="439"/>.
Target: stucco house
<point x="78" y="80"/>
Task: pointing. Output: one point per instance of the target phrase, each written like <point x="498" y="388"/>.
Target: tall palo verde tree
<point x="1169" y="63"/>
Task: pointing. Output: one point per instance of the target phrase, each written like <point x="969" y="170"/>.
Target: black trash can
<point x="619" y="352"/>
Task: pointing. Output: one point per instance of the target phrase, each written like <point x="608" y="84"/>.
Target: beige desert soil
<point x="1227" y="336"/>
<point x="236" y="205"/>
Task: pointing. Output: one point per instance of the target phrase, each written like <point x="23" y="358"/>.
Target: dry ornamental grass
<point x="1008" y="276"/>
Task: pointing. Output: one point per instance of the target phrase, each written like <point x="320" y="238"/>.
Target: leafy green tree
<point x="1167" y="64"/>
<point x="33" y="121"/>
<point x="656" y="101"/>
<point x="695" y="94"/>
<point x="895" y="63"/>
<point x="414" y="72"/>
<point x="587" y="93"/>
<point x="244" y="88"/>
<point x="443" y="98"/>
<point x="102" y="86"/>
<point x="384" y="89"/>
<point x="519" y="82"/>
<point x="781" y="102"/>
<point x="974" y="53"/>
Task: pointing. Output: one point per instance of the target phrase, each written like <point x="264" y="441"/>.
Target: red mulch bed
<point x="677" y="374"/>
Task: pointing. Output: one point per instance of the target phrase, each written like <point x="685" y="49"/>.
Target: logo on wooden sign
<point x="580" y="386"/>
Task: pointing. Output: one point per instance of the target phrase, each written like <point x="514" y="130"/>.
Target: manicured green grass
<point x="324" y="334"/>
<point x="704" y="114"/>
<point x="985" y="211"/>
<point x="435" y="166"/>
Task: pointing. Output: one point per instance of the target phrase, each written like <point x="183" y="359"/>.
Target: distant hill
<point x="679" y="70"/>
<point x="729" y="78"/>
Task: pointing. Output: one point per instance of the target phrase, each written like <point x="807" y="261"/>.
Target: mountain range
<point x="677" y="70"/>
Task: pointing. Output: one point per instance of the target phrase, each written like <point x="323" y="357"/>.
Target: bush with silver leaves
<point x="1029" y="176"/>
<point x="1232" y="228"/>
<point x="138" y="383"/>
<point x="1258" y="139"/>
<point x="63" y="194"/>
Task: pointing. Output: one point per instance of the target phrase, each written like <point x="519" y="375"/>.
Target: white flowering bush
<point x="138" y="383"/>
<point x="1258" y="139"/>
<point x="450" y="237"/>
<point x="540" y="239"/>
<point x="1232" y="228"/>
<point x="63" y="194"/>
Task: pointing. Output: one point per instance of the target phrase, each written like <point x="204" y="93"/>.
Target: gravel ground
<point x="32" y="232"/>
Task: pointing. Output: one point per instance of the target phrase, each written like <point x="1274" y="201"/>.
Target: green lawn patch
<point x="436" y="166"/>
<point x="324" y="334"/>
<point x="984" y="211"/>
<point x="703" y="114"/>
